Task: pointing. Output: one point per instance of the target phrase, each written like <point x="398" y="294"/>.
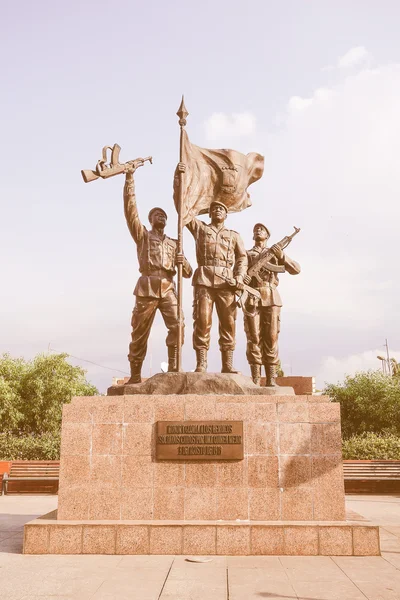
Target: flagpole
<point x="182" y="114"/>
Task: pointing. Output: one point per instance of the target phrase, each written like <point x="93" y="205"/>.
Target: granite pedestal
<point x="285" y="497"/>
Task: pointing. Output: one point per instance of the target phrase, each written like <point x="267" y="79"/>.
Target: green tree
<point x="12" y="373"/>
<point x="32" y="392"/>
<point x="370" y="402"/>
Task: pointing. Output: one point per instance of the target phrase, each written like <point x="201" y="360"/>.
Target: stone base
<point x="286" y="496"/>
<point x="291" y="471"/>
<point x="230" y="538"/>
<point x="204" y="384"/>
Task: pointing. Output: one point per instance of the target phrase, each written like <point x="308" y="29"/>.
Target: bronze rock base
<point x="166" y="384"/>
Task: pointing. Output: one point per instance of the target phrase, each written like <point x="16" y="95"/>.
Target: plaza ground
<point x="25" y="577"/>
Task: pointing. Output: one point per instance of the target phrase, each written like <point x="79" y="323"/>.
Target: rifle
<point x="105" y="170"/>
<point x="264" y="265"/>
<point x="242" y="293"/>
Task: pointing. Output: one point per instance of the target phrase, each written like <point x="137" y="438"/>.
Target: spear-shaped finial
<point x="182" y="113"/>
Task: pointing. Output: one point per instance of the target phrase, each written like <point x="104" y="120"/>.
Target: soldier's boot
<point x="172" y="359"/>
<point x="201" y="358"/>
<point x="227" y="362"/>
<point x="270" y="373"/>
<point x="256" y="373"/>
<point x="136" y="371"/>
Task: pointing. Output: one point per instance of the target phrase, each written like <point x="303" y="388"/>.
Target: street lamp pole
<point x="388" y="359"/>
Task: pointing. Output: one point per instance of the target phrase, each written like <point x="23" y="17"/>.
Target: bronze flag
<point x="215" y="174"/>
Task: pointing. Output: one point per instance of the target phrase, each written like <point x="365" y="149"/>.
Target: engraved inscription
<point x="199" y="440"/>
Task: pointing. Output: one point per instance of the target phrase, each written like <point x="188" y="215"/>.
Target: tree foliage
<point x="32" y="392"/>
<point x="370" y="402"/>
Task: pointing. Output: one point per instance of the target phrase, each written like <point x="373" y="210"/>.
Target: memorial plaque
<point x="199" y="440"/>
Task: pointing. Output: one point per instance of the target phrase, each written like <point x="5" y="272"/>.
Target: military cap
<point x="214" y="202"/>
<point x="153" y="210"/>
<point x="263" y="226"/>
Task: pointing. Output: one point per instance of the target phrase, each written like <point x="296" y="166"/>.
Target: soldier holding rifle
<point x="155" y="289"/>
<point x="262" y="316"/>
<point x="157" y="255"/>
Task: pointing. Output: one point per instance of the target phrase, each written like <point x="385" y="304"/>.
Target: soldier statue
<point x="155" y="289"/>
<point x="221" y="267"/>
<point x="262" y="317"/>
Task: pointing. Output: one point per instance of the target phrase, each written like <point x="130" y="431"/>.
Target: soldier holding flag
<point x="219" y="251"/>
<point x="214" y="182"/>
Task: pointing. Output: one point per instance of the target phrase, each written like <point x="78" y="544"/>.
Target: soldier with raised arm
<point x="219" y="251"/>
<point x="155" y="289"/>
<point x="262" y="317"/>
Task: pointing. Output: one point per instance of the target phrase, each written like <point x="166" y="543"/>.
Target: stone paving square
<point x="97" y="577"/>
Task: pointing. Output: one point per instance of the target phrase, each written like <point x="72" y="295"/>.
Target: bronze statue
<point x="262" y="316"/>
<point x="155" y="289"/>
<point x="219" y="251"/>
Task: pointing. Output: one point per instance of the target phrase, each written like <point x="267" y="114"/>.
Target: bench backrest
<point x="371" y="469"/>
<point x="35" y="468"/>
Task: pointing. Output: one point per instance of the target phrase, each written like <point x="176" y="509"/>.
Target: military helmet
<point x="263" y="226"/>
<point x="214" y="202"/>
<point x="153" y="210"/>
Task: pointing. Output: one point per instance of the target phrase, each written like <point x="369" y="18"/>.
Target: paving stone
<point x="260" y="588"/>
<point x="383" y="589"/>
<point x="332" y="590"/>
<point x="193" y="590"/>
<point x="312" y="568"/>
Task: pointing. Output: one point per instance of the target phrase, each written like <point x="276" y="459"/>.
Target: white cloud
<point x="332" y="169"/>
<point x="221" y="125"/>
<point x="335" y="369"/>
<point x="296" y="103"/>
<point x="355" y="56"/>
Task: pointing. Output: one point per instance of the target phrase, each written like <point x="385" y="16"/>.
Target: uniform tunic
<point x="155" y="288"/>
<point x="219" y="251"/>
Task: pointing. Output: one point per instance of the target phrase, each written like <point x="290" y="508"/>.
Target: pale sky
<point x="313" y="86"/>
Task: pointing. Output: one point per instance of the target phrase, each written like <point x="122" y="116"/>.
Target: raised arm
<point x="135" y="226"/>
<point x="194" y="226"/>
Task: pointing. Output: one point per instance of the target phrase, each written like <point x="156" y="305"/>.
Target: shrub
<point x="369" y="401"/>
<point x="30" y="447"/>
<point x="367" y="446"/>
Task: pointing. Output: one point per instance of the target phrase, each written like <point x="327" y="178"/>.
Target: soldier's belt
<point x="217" y="262"/>
<point x="159" y="273"/>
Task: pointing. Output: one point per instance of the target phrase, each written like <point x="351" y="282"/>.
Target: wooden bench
<point x="32" y="477"/>
<point x="372" y="476"/>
